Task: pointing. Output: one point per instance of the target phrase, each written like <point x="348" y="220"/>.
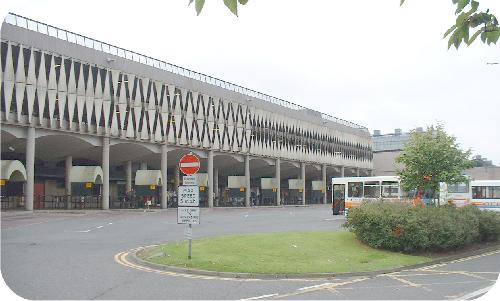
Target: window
<point x="390" y="189"/>
<point x="458" y="188"/>
<point x="372" y="189"/>
<point x="355" y="189"/>
<point x="486" y="192"/>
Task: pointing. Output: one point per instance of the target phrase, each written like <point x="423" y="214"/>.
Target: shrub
<point x="401" y="227"/>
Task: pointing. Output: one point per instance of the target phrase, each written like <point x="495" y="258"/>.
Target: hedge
<point x="401" y="227"/>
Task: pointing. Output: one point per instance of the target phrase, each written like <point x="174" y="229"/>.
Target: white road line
<point x="99" y="227"/>
<point x="474" y="294"/>
<point x="83" y="231"/>
<point x="110" y="223"/>
<point x="259" y="297"/>
<point x="313" y="286"/>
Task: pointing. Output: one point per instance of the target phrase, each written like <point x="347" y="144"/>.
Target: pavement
<point x="80" y="255"/>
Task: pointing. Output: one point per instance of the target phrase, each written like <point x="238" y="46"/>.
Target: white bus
<point x="350" y="192"/>
<point x="485" y="194"/>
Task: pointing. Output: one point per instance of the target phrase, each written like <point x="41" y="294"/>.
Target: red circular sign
<point x="189" y="164"/>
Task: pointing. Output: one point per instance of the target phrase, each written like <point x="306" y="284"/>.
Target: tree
<point x="469" y="18"/>
<point x="431" y="157"/>
<point x="231" y="4"/>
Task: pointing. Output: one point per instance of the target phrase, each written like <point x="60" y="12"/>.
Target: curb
<point x="136" y="260"/>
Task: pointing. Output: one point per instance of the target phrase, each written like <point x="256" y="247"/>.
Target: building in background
<point x="386" y="147"/>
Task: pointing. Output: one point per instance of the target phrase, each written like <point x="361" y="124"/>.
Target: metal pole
<point x="325" y="184"/>
<point x="190" y="241"/>
<point x="303" y="177"/>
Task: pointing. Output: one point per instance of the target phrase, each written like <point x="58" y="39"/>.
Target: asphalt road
<point x="76" y="256"/>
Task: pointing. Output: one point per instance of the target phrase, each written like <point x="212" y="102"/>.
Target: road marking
<point x="321" y="287"/>
<point x="407" y="282"/>
<point x="83" y="231"/>
<point x="475" y="294"/>
<point x="99" y="227"/>
<point x="259" y="297"/>
<point x="314" y="286"/>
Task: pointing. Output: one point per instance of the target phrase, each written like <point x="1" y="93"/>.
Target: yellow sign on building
<point x="88" y="185"/>
<point x="152" y="187"/>
<point x="2" y="182"/>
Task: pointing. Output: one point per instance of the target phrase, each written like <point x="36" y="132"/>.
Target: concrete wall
<point x="484" y="173"/>
<point x="384" y="163"/>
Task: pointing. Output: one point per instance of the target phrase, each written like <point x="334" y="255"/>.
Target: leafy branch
<point x="232" y="5"/>
<point x="469" y="18"/>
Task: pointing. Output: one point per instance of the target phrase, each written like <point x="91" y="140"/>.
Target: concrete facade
<point x="67" y="98"/>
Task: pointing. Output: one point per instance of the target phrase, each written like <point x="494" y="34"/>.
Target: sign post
<point x="188" y="209"/>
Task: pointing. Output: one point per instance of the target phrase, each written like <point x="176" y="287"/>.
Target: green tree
<point x="431" y="157"/>
<point x="231" y="4"/>
<point x="469" y="18"/>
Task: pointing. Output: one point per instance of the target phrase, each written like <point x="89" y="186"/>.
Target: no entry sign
<point x="189" y="164"/>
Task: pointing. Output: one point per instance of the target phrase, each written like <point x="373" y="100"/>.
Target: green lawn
<point x="284" y="252"/>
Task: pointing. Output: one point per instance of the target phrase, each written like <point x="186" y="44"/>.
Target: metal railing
<point x="75" y="38"/>
<point x="12" y="202"/>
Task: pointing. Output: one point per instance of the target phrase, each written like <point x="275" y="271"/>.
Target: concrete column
<point x="105" y="173"/>
<point x="277" y="175"/>
<point x="163" y="163"/>
<point x="144" y="166"/>
<point x="325" y="182"/>
<point x="210" y="170"/>
<point x="30" y="168"/>
<point x="247" y="180"/>
<point x="357" y="172"/>
<point x="303" y="177"/>
<point x="128" y="176"/>
<point x="216" y="186"/>
<point x="342" y="171"/>
<point x="67" y="180"/>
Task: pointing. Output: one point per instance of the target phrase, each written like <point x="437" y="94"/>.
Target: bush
<point x="401" y="227"/>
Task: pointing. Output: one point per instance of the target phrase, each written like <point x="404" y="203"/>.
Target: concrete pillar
<point x="30" y="168"/>
<point x="303" y="177"/>
<point x="105" y="173"/>
<point x="325" y="183"/>
<point x="163" y="164"/>
<point x="216" y="186"/>
<point x="128" y="176"/>
<point x="277" y="175"/>
<point x="342" y="171"/>
<point x="357" y="172"/>
<point x="210" y="170"/>
<point x="247" y="180"/>
<point x="144" y="166"/>
<point x="67" y="180"/>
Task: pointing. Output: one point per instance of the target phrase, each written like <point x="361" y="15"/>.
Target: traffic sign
<point x="189" y="196"/>
<point x="188" y="215"/>
<point x="189" y="180"/>
<point x="189" y="164"/>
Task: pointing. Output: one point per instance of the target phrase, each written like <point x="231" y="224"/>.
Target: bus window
<point x="493" y="192"/>
<point x="458" y="188"/>
<point x="372" y="189"/>
<point x="355" y="189"/>
<point x="390" y="189"/>
<point x="478" y="192"/>
<point x="486" y="192"/>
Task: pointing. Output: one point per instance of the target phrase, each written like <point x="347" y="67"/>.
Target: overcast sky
<point x="370" y="62"/>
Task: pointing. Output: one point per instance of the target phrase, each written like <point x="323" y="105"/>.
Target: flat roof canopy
<point x="86" y="174"/>
<point x="148" y="177"/>
<point x="13" y="170"/>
